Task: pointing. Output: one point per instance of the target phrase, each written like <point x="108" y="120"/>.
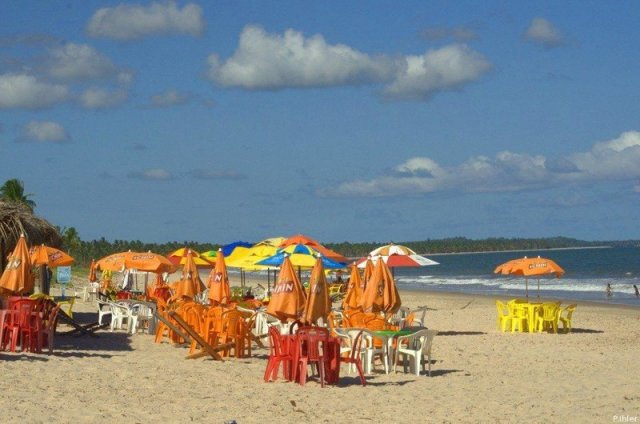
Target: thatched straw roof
<point x="16" y="218"/>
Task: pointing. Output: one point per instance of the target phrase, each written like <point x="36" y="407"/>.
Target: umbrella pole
<point x="526" y="285"/>
<point x="538" y="287"/>
<point x="268" y="282"/>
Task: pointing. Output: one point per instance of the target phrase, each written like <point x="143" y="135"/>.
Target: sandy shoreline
<point x="479" y="375"/>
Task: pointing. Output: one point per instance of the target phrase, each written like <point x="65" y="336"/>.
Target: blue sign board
<point x="64" y="274"/>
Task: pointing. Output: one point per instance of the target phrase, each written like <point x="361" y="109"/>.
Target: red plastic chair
<point x="279" y="353"/>
<point x="123" y="295"/>
<point x="355" y="356"/>
<point x="312" y="344"/>
<point x="48" y="331"/>
<point x="22" y="324"/>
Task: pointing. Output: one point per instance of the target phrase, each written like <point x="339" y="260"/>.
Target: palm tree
<point x="13" y="191"/>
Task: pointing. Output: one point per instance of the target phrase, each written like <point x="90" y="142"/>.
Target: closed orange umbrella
<point x="219" y="292"/>
<point x="92" y="272"/>
<point x="530" y="267"/>
<point x="368" y="273"/>
<point x="49" y="256"/>
<point x="287" y="297"/>
<point x="318" y="303"/>
<point x="17" y="276"/>
<point x="190" y="284"/>
<point x="381" y="293"/>
<point x="354" y="290"/>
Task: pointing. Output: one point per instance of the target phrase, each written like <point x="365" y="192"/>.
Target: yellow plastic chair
<point x="504" y="316"/>
<point x="566" y="319"/>
<point x="67" y="305"/>
<point x="548" y="318"/>
<point x="519" y="317"/>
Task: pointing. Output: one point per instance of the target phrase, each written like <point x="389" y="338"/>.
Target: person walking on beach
<point x="609" y="290"/>
<point x="636" y="289"/>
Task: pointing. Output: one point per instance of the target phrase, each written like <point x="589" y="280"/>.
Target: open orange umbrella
<point x="318" y="303"/>
<point x="219" y="292"/>
<point x="92" y="272"/>
<point x="287" y="297"/>
<point x="190" y="284"/>
<point x="308" y="241"/>
<point x="354" y="290"/>
<point x="381" y="293"/>
<point x="179" y="257"/>
<point x="17" y="276"/>
<point x="141" y="261"/>
<point x="49" y="256"/>
<point x="530" y="267"/>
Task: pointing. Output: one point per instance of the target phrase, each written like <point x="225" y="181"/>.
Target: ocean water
<point x="587" y="272"/>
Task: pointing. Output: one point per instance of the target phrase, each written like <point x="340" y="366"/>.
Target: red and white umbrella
<point x="395" y="255"/>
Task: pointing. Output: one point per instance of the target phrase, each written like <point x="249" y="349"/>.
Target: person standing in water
<point x="609" y="290"/>
<point x="636" y="289"/>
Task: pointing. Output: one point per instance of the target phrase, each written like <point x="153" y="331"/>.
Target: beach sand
<point x="479" y="375"/>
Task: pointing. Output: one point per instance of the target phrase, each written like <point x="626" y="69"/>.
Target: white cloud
<point x="80" y="62"/>
<point x="271" y="61"/>
<point x="97" y="98"/>
<point x="44" y="131"/>
<point x="447" y="68"/>
<point x="169" y="98"/>
<point x="543" y="32"/>
<point x="613" y="160"/>
<point x="152" y="174"/>
<point x="27" y="92"/>
<point x="129" y="22"/>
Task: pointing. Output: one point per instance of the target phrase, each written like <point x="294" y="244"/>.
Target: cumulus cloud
<point x="42" y="132"/>
<point x="98" y="98"/>
<point x="271" y="61"/>
<point x="170" y="98"/>
<point x="543" y="32"/>
<point x="612" y="160"/>
<point x="210" y="174"/>
<point x="80" y="62"/>
<point x="448" y="68"/>
<point x="153" y="174"/>
<point x="27" y="92"/>
<point x="134" y="21"/>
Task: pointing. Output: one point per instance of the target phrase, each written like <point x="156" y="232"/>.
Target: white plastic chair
<point x="121" y="313"/>
<point x="416" y="346"/>
<point x="104" y="308"/>
<point x="370" y="351"/>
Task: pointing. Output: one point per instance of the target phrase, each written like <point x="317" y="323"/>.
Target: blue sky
<point x="360" y="121"/>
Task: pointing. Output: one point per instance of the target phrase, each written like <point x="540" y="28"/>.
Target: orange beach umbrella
<point x="530" y="267"/>
<point x="354" y="290"/>
<point x="92" y="272"/>
<point x="49" y="256"/>
<point x="219" y="292"/>
<point x="17" y="276"/>
<point x="318" y="303"/>
<point x="368" y="273"/>
<point x="287" y="297"/>
<point x="381" y="293"/>
<point x="141" y="261"/>
<point x="190" y="284"/>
